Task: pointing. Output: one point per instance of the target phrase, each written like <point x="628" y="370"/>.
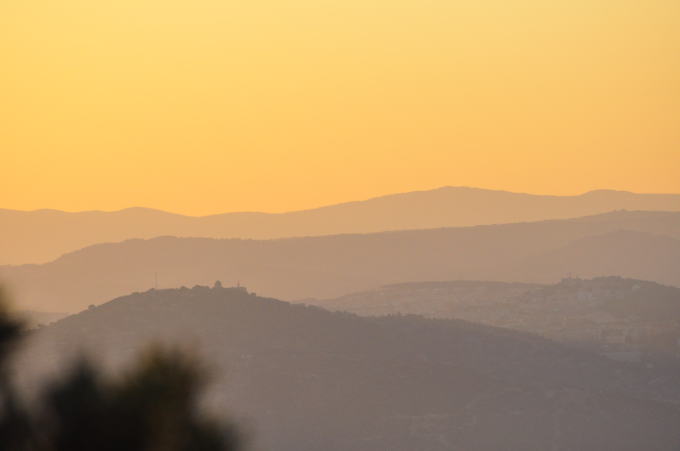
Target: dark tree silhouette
<point x="153" y="407"/>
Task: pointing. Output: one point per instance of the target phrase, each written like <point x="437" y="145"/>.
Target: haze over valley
<point x="357" y="225"/>
<point x="530" y="335"/>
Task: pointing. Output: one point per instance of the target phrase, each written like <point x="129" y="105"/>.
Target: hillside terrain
<point x="626" y="319"/>
<point x="642" y="245"/>
<point x="303" y="379"/>
<point x="44" y="235"/>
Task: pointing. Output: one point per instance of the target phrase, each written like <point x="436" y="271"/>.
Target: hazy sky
<point x="204" y="106"/>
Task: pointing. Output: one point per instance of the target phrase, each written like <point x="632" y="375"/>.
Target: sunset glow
<point x="210" y="106"/>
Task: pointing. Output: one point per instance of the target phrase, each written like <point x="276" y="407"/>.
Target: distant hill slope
<point x="609" y="314"/>
<point x="330" y="266"/>
<point x="43" y="235"/>
<point x="308" y="379"/>
<point x="441" y="299"/>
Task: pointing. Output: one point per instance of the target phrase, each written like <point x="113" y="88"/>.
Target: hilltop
<point x="308" y="379"/>
<point x="43" y="235"/>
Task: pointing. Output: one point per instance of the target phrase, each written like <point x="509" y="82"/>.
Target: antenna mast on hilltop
<point x="155" y="281"/>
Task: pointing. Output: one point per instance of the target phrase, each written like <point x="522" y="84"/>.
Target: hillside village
<point x="624" y="319"/>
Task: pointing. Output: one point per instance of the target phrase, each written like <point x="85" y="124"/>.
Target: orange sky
<point x="205" y="106"/>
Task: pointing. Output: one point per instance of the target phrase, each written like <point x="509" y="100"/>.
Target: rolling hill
<point x="622" y="318"/>
<point x="305" y="379"/>
<point x="44" y="235"/>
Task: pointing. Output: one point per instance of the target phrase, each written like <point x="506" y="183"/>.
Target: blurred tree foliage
<point x="153" y="407"/>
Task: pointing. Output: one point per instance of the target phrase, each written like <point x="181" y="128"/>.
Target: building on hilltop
<point x="238" y="287"/>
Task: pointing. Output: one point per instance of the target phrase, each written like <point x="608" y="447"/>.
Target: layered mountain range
<point x="642" y="245"/>
<point x="43" y="235"/>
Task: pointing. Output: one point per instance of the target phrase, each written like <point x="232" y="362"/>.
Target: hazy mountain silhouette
<point x="624" y="253"/>
<point x="331" y="266"/>
<point x="309" y="379"/>
<point x="43" y="235"/>
<point x="608" y="314"/>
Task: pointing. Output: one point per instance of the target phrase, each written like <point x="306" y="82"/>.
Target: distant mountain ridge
<point x="642" y="245"/>
<point x="43" y="235"/>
